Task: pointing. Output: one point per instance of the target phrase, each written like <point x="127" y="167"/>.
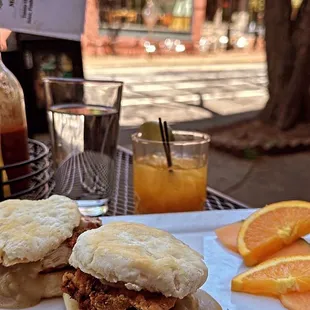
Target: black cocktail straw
<point x="169" y="159"/>
<point x="165" y="140"/>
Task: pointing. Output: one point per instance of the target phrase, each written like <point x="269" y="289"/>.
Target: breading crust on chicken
<point x="92" y="294"/>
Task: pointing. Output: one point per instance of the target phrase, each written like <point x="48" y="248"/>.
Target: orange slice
<point x="296" y="301"/>
<point x="299" y="247"/>
<point x="275" y="277"/>
<point x="228" y="235"/>
<point x="272" y="228"/>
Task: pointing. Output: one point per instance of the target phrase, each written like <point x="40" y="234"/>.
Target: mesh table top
<point x="122" y="202"/>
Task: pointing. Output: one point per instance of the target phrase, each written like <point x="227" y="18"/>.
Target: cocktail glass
<point x="159" y="189"/>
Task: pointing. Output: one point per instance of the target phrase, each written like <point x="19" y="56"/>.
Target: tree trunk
<point x="288" y="59"/>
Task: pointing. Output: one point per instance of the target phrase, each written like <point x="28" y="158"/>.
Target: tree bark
<point x="288" y="59"/>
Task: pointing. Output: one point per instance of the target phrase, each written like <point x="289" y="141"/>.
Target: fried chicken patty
<point x="91" y="294"/>
<point x="58" y="259"/>
<point x="87" y="223"/>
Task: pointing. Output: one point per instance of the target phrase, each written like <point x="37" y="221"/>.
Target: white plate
<point x="197" y="230"/>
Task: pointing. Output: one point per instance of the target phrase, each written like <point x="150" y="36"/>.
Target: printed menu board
<point x="56" y="18"/>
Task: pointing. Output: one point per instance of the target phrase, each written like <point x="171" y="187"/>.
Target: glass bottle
<point x="13" y="129"/>
<point x="150" y="14"/>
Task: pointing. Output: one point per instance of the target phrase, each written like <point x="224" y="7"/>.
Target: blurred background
<point x="185" y="59"/>
<point x="135" y="27"/>
<point x="201" y="65"/>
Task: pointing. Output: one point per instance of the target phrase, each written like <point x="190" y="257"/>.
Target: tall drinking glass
<point x="182" y="187"/>
<point x="83" y="118"/>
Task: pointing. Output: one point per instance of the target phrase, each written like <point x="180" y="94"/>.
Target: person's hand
<point x="4" y="34"/>
<point x="3" y="46"/>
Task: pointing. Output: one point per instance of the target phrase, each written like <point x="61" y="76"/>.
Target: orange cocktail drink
<point x="180" y="188"/>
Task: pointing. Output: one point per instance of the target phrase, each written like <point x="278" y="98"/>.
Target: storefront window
<point x="170" y="15"/>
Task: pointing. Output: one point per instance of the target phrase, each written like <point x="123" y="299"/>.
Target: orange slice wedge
<point x="296" y="301"/>
<point x="275" y="277"/>
<point x="272" y="228"/>
<point x="228" y="235"/>
<point x="299" y="247"/>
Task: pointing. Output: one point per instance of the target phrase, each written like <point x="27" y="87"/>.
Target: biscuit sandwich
<point x="128" y="266"/>
<point x="36" y="241"/>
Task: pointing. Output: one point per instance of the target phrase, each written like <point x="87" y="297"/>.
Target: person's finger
<point x="4" y="34"/>
<point x="3" y="46"/>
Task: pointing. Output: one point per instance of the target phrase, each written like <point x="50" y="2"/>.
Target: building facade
<point x="124" y="26"/>
<point x="128" y="27"/>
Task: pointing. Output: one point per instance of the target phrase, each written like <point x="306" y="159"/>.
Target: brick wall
<point x="91" y="37"/>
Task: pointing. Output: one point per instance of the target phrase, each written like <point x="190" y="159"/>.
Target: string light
<point x="296" y="3"/>
<point x="257" y="5"/>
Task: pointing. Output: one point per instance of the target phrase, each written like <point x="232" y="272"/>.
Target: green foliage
<point x="251" y="153"/>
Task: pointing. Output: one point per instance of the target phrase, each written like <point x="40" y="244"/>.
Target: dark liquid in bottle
<point x="14" y="148"/>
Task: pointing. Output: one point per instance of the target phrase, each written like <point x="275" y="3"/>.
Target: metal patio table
<point x="122" y="202"/>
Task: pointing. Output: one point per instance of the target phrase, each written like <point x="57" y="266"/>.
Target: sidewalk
<point x="262" y="181"/>
<point x="187" y="92"/>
